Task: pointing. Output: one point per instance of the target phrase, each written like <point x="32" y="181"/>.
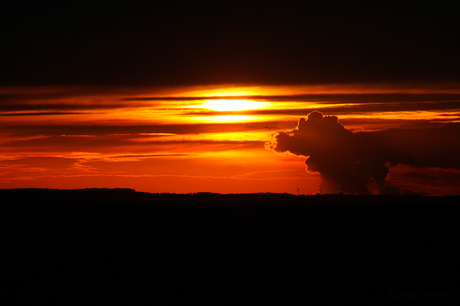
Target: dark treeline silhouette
<point x="94" y="245"/>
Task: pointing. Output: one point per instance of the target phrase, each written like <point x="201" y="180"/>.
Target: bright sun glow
<point x="228" y="118"/>
<point x="232" y="105"/>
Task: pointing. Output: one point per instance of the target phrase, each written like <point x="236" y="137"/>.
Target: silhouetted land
<point x="103" y="245"/>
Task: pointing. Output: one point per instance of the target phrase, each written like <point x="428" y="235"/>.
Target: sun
<point x="232" y="105"/>
<point x="226" y="110"/>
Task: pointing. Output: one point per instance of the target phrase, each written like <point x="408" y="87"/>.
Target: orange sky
<point x="207" y="139"/>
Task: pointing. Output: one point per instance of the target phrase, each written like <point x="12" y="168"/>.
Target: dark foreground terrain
<point x="102" y="246"/>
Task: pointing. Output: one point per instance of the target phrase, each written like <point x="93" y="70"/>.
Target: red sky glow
<point x="204" y="139"/>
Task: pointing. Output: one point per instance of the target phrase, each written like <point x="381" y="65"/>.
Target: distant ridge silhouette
<point x="127" y="194"/>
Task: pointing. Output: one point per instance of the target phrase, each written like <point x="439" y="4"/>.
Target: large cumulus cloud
<point x="341" y="157"/>
<point x="359" y="162"/>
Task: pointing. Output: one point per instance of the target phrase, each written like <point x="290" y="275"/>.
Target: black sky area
<point x="237" y="42"/>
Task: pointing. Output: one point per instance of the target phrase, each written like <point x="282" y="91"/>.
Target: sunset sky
<point x="191" y="98"/>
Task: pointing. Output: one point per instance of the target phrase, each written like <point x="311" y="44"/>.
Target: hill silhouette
<point x="94" y="245"/>
<point x="131" y="195"/>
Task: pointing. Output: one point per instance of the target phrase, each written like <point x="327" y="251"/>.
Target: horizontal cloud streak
<point x="339" y="98"/>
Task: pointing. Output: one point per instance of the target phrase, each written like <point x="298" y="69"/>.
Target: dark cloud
<point x="58" y="108"/>
<point x="118" y="143"/>
<point x="40" y="114"/>
<point x="423" y="176"/>
<point x="342" y="158"/>
<point x="426" y="147"/>
<point x="360" y="161"/>
<point x="433" y="180"/>
<point x="42" y="162"/>
<point x="27" y="130"/>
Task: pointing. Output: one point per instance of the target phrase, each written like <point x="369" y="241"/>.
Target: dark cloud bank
<point x="360" y="162"/>
<point x="226" y="42"/>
